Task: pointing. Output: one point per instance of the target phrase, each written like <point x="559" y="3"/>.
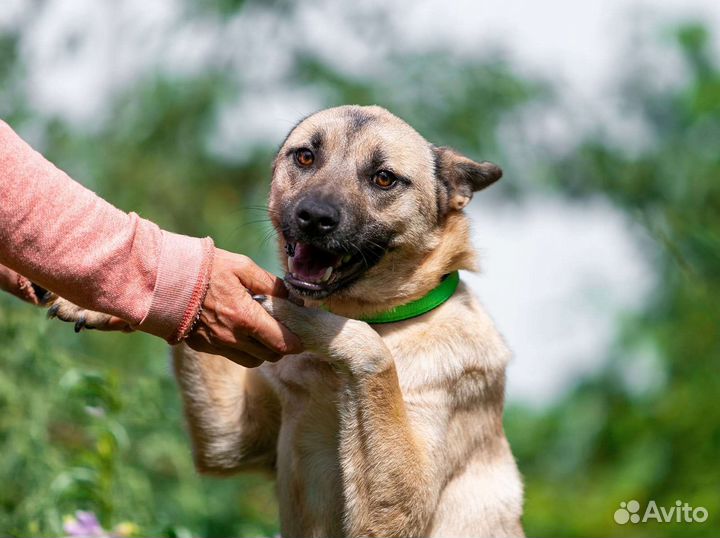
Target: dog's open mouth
<point x="316" y="271"/>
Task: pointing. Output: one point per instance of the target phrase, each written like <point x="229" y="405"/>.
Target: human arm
<point x="65" y="238"/>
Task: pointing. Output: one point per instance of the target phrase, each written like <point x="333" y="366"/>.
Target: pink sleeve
<point x="65" y="238"/>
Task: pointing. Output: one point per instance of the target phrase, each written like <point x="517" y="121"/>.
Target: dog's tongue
<point x="311" y="263"/>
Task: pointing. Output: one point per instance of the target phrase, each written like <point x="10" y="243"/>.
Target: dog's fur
<point x="383" y="430"/>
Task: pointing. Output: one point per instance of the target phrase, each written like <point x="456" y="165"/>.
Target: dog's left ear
<point x="463" y="176"/>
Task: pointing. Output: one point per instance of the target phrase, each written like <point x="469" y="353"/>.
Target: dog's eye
<point x="304" y="157"/>
<point x="384" y="179"/>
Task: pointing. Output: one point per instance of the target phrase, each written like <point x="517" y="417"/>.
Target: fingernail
<point x="79" y="325"/>
<point x="52" y="311"/>
<point x="260" y="298"/>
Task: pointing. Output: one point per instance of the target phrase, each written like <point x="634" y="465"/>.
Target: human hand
<point x="231" y="323"/>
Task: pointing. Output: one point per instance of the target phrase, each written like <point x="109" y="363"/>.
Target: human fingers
<point x="238" y="356"/>
<point x="267" y="330"/>
<point x="254" y="277"/>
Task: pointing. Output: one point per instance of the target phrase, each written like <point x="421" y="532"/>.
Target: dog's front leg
<point x="232" y="413"/>
<point x="387" y="479"/>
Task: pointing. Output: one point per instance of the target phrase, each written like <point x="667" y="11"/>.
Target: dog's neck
<point x="410" y="279"/>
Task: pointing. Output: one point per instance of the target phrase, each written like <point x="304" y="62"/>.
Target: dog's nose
<point x="317" y="217"/>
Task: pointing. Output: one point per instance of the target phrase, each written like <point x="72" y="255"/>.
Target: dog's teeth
<point x="327" y="274"/>
<point x="290" y="265"/>
<point x="346" y="258"/>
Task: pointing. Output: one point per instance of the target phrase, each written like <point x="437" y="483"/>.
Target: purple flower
<point x="84" y="524"/>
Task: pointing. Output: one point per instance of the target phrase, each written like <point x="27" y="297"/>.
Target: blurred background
<point x="600" y="247"/>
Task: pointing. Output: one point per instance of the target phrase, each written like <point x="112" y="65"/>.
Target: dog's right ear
<point x="462" y="176"/>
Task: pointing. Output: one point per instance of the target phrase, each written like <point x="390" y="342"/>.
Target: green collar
<point x="433" y="299"/>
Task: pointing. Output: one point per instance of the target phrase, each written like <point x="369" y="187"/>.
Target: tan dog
<point x="378" y="430"/>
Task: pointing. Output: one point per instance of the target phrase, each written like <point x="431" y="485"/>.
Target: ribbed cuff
<point x="182" y="280"/>
<point x="192" y="314"/>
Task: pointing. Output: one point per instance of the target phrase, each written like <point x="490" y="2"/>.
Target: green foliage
<point x="609" y="441"/>
<point x="94" y="422"/>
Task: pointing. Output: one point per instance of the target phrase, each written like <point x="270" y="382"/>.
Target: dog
<point x="378" y="429"/>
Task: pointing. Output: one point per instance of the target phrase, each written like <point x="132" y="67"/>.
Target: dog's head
<point x="362" y="202"/>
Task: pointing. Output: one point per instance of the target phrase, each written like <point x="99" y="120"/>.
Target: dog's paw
<point x="337" y="338"/>
<point x="64" y="310"/>
<point x="304" y="322"/>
